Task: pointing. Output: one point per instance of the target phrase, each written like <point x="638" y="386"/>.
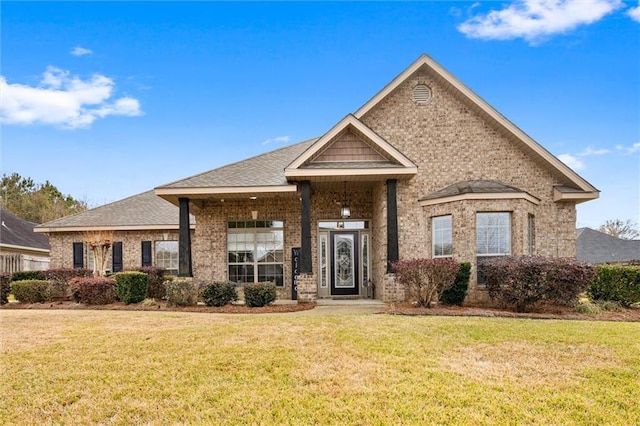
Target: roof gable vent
<point x="421" y="94"/>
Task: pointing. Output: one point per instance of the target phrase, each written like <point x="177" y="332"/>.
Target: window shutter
<point x="146" y="253"/>
<point x="78" y="255"/>
<point x="117" y="256"/>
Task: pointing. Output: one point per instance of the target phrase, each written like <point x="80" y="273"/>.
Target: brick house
<point x="425" y="168"/>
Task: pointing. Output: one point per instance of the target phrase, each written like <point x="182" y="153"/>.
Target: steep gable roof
<point x="597" y="247"/>
<point x="16" y="232"/>
<point x="365" y="155"/>
<point x="138" y="212"/>
<point x="585" y="191"/>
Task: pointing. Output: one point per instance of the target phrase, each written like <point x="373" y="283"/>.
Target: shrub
<point x="219" y="294"/>
<point x="155" y="288"/>
<point x="181" y="293"/>
<point x="588" y="308"/>
<point x="523" y="281"/>
<point x="426" y="279"/>
<point x="456" y="294"/>
<point x="131" y="287"/>
<point x="5" y="287"/>
<point x="66" y="274"/>
<point x="93" y="291"/>
<point x="31" y="291"/>
<point x="616" y="283"/>
<point x="27" y="276"/>
<point x="259" y="294"/>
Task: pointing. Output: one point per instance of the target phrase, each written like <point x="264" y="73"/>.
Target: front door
<point x="344" y="263"/>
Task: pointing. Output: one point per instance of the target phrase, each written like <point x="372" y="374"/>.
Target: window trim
<point x="509" y="234"/>
<point x="435" y="219"/>
<point x="259" y="227"/>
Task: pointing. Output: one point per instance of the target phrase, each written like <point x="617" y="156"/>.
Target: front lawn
<point x="122" y="367"/>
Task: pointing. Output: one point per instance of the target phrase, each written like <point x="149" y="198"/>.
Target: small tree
<point x="99" y="242"/>
<point x="626" y="230"/>
<point x="426" y="279"/>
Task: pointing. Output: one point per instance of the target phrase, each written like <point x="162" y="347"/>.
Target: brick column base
<point x="307" y="288"/>
<point x="392" y="291"/>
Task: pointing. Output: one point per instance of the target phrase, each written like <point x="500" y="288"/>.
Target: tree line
<point x="36" y="202"/>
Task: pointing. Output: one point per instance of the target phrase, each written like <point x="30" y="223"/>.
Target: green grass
<point x="110" y="367"/>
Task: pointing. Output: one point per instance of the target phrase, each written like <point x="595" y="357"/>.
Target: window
<point x="493" y="238"/>
<point x="442" y="236"/>
<point x="493" y="234"/>
<point x="91" y="259"/>
<point x="167" y="256"/>
<point x="531" y="225"/>
<point x="255" y="251"/>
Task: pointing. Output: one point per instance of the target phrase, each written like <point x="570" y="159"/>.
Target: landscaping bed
<point x="544" y="312"/>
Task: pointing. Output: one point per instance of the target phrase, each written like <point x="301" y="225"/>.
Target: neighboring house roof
<point x="138" y="212"/>
<point x="584" y="190"/>
<point x="476" y="190"/>
<point x="598" y="247"/>
<point x="17" y="233"/>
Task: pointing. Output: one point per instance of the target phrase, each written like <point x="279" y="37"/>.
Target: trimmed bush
<point x="219" y="294"/>
<point x="616" y="283"/>
<point x="31" y="291"/>
<point x="426" y="279"/>
<point x="66" y="274"/>
<point x="523" y="281"/>
<point x="259" y="294"/>
<point x="155" y="288"/>
<point x="27" y="276"/>
<point x="181" y="293"/>
<point x="456" y="294"/>
<point x="5" y="287"/>
<point x="93" y="291"/>
<point x="131" y="287"/>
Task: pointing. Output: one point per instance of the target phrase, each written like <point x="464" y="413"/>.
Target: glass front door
<point x="344" y="263"/>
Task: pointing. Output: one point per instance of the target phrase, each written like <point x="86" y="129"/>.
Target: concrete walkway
<point x="341" y="307"/>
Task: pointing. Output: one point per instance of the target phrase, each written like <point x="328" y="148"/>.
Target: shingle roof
<point x="473" y="187"/>
<point x="597" y="247"/>
<point x="16" y="231"/>
<point x="142" y="210"/>
<point x="262" y="170"/>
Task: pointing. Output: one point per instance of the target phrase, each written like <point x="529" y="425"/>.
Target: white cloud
<point x="533" y="20"/>
<point x="62" y="100"/>
<point x="571" y="161"/>
<point x="590" y="151"/>
<point x="634" y="12"/>
<point x="629" y="149"/>
<point x="80" y="51"/>
<point x="278" y="139"/>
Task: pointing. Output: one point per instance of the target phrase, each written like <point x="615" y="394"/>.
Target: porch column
<point x="305" y="250"/>
<point x="184" y="240"/>
<point x="392" y="224"/>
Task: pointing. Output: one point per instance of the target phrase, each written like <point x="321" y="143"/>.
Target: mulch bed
<point x="162" y="306"/>
<point x="545" y="312"/>
<point x="631" y="314"/>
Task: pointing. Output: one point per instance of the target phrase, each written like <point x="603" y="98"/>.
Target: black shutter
<point x="78" y="255"/>
<point x="146" y="253"/>
<point x="117" y="256"/>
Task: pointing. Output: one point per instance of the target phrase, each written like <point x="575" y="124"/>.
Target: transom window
<point x="493" y="234"/>
<point x="255" y="251"/>
<point x="442" y="236"/>
<point x="167" y="256"/>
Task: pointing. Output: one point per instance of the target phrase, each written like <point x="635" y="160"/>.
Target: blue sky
<point x="107" y="100"/>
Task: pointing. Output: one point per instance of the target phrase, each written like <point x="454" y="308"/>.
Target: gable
<point x="425" y="72"/>
<point x="351" y="149"/>
<point x="349" y="146"/>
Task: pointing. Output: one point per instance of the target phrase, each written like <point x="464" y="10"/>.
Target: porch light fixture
<point x="345" y="211"/>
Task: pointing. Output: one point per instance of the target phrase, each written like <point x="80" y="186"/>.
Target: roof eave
<point x="576" y="197"/>
<point x="480" y="196"/>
